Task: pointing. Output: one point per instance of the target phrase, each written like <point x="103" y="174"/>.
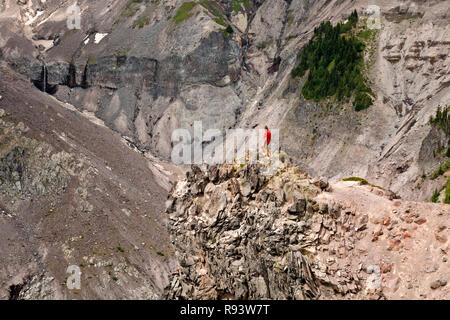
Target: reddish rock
<point x="385" y="267"/>
<point x="442" y="239"/>
<point x="394" y="244"/>
<point x="406" y="234"/>
<point x="420" y="220"/>
<point x="435" y="284"/>
<point x="386" y="221"/>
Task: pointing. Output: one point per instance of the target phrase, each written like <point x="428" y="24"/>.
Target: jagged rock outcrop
<point x="243" y="235"/>
<point x="240" y="234"/>
<point x="29" y="168"/>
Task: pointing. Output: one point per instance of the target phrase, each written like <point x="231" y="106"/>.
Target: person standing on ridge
<point x="267" y="137"/>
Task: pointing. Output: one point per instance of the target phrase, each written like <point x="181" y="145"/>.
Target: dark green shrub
<point x="442" y="119"/>
<point x="442" y="169"/>
<point x="227" y="31"/>
<point x="435" y="196"/>
<point x="447" y="193"/>
<point x="362" y="101"/>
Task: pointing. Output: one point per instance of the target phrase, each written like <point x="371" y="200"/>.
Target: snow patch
<point x="32" y="19"/>
<point x="99" y="37"/>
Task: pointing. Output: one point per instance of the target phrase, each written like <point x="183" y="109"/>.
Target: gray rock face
<point x="138" y="80"/>
<point x="208" y="63"/>
<point x="152" y="74"/>
<point x="230" y="246"/>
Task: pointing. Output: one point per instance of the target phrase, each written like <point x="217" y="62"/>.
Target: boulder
<point x="321" y="182"/>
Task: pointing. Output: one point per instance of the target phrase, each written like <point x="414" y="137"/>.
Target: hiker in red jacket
<point x="267" y="137"/>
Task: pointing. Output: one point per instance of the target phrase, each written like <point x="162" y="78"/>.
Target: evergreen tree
<point x="334" y="61"/>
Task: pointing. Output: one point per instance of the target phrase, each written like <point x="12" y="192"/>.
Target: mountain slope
<point x="145" y="73"/>
<point x="240" y="234"/>
<point x="87" y="117"/>
<point x="69" y="196"/>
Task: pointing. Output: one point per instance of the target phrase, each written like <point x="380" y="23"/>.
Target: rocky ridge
<point x="239" y="234"/>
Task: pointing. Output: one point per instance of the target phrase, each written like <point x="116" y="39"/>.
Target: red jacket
<point x="267" y="136"/>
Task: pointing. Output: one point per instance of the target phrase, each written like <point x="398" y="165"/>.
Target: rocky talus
<point x="29" y="168"/>
<point x="69" y="197"/>
<point x="240" y="234"/>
